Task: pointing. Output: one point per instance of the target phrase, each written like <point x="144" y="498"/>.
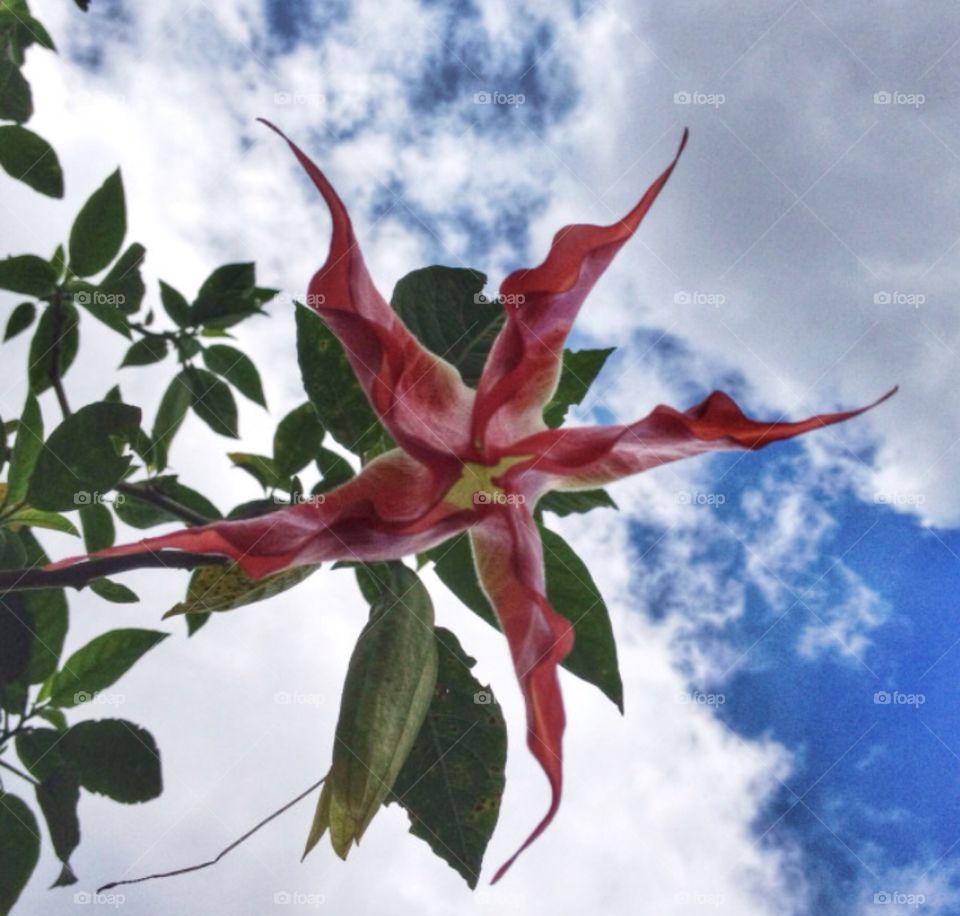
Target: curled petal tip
<point x="272" y="127"/>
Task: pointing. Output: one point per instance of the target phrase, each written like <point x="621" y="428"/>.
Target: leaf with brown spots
<point x="453" y="780"/>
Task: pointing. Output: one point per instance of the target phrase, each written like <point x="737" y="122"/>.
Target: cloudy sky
<point x="803" y="258"/>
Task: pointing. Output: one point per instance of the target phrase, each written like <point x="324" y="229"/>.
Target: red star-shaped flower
<point x="477" y="460"/>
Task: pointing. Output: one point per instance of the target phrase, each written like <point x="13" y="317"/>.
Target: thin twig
<point x="84" y="572"/>
<point x="20" y="773"/>
<point x="230" y="848"/>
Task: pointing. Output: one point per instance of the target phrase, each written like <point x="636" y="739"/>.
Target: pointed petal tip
<point x="862" y="410"/>
<point x="272" y="127"/>
<point x="503" y="869"/>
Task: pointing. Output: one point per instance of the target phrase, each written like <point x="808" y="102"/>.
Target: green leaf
<point x="173" y="408"/>
<point x="36" y="31"/>
<point x="16" y="101"/>
<point x="19" y="844"/>
<point x="141" y="513"/>
<point x="444" y="308"/>
<point x="196" y="621"/>
<point x="16" y="634"/>
<point x="28" y="274"/>
<point x="20" y="30"/>
<point x="223" y="588"/>
<point x="30" y="159"/>
<point x="48" y="608"/>
<point x="100" y="663"/>
<point x="333" y="389"/>
<point x="113" y="591"/>
<point x="237" y="368"/>
<point x="98" y="528"/>
<point x="227" y="296"/>
<point x="59" y="263"/>
<point x="26" y="450"/>
<point x="124" y="283"/>
<point x="568" y="502"/>
<point x="36" y="518"/>
<point x="571" y="592"/>
<point x="38" y="750"/>
<point x="58" y="796"/>
<point x="20" y="319"/>
<point x="212" y="401"/>
<point x="264" y="470"/>
<point x="187" y="348"/>
<point x="453" y="780"/>
<point x="13" y="698"/>
<point x="374" y="579"/>
<point x="253" y="508"/>
<point x="146" y="351"/>
<point x="56" y="718"/>
<point x="57" y="323"/>
<point x="80" y="459"/>
<point x="98" y="231"/>
<point x="580" y="368"/>
<point x="297" y="439"/>
<point x="175" y="305"/>
<point x="140" y="442"/>
<point x="335" y="469"/>
<point x="390" y="682"/>
<point x="105" y="307"/>
<point x="115" y="758"/>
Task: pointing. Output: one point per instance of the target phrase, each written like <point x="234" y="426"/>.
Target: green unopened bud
<point x="389" y="685"/>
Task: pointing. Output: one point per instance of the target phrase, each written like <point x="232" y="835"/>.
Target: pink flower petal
<point x="541" y="304"/>
<point x="592" y="456"/>
<point x="509" y="559"/>
<point x="392" y="508"/>
<point x="419" y="397"/>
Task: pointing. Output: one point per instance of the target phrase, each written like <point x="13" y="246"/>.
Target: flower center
<point x="476" y="487"/>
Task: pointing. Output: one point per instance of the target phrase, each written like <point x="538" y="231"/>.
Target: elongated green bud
<point x="389" y="685"/>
